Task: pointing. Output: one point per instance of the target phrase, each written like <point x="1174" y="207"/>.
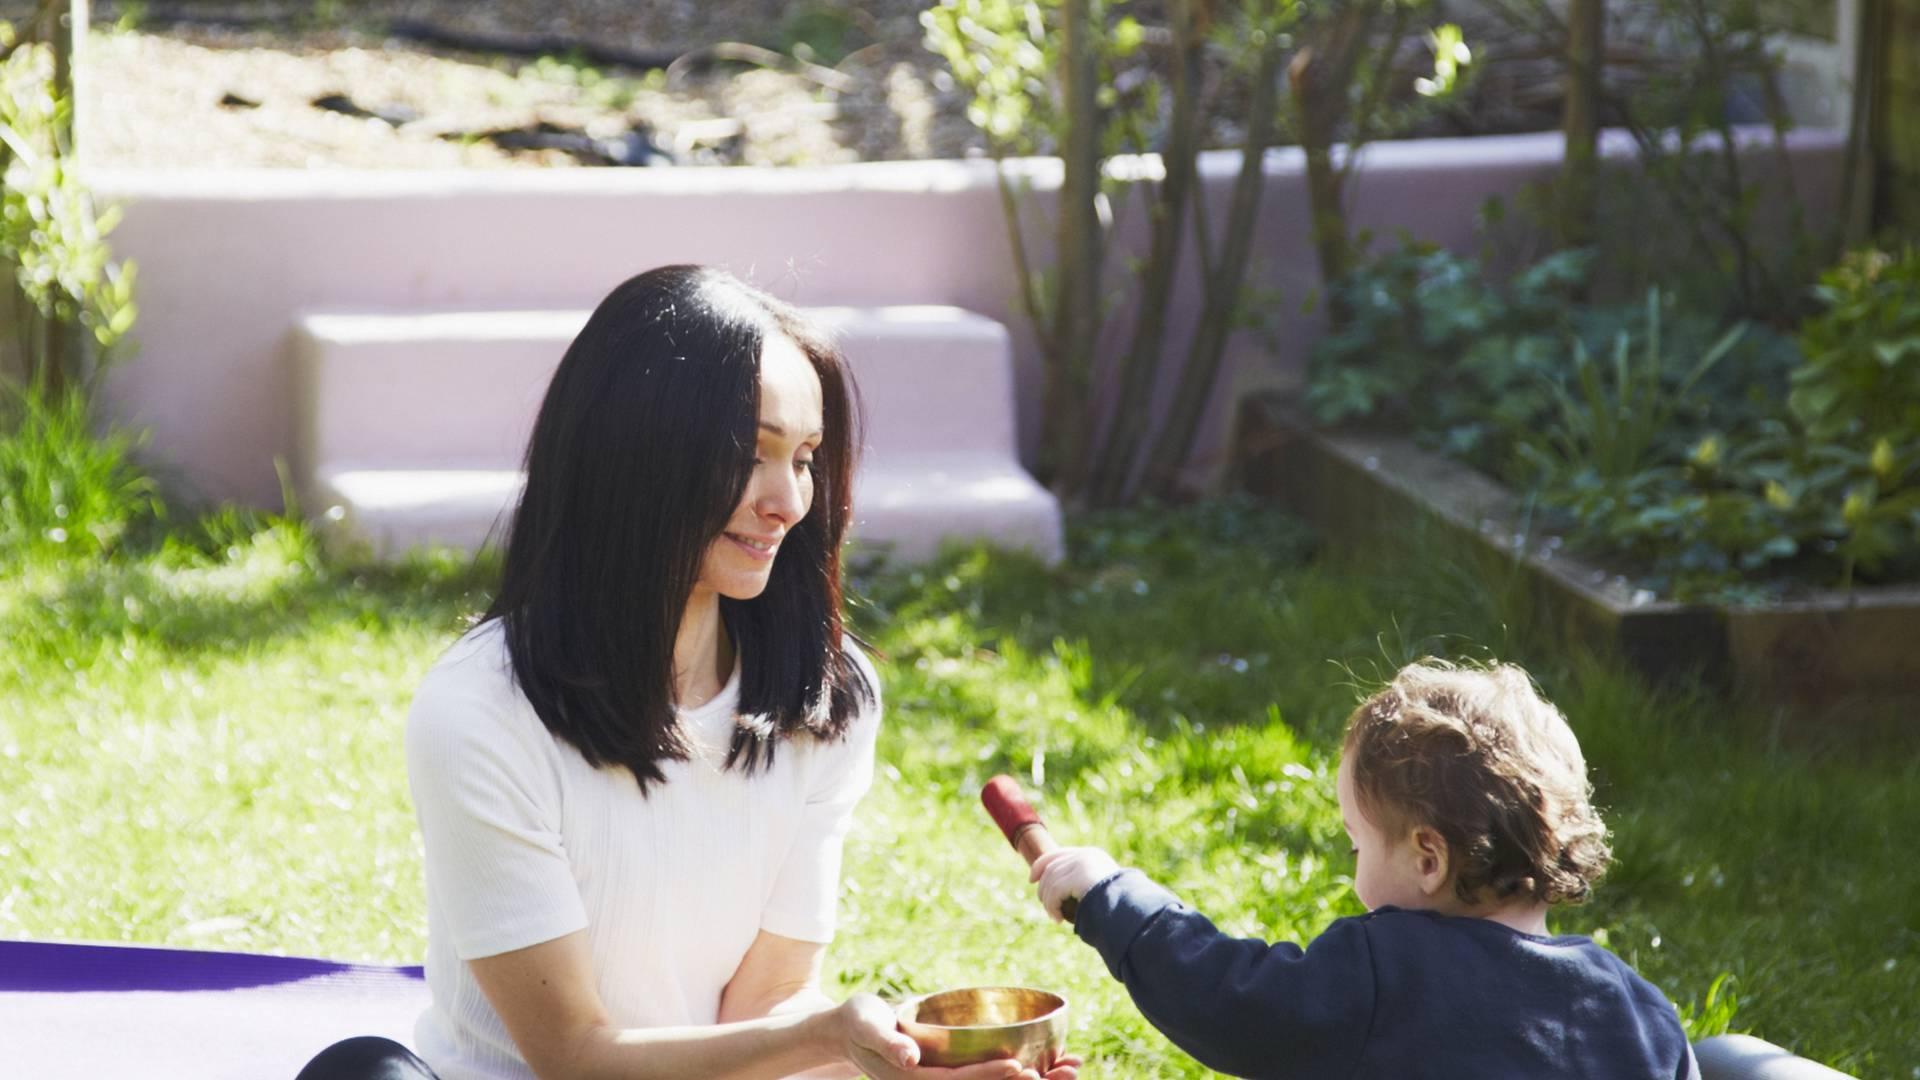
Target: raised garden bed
<point x="1824" y="655"/>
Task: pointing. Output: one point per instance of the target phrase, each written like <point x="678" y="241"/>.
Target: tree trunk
<point x="1113" y="467"/>
<point x="1069" y="377"/>
<point x="1863" y="107"/>
<point x="1580" y="123"/>
<point x="1319" y="79"/>
<point x="64" y="22"/>
<point x="1896" y="119"/>
<point x="65" y="26"/>
<point x="1223" y="285"/>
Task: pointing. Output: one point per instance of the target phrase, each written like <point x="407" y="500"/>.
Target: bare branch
<point x="1022" y="269"/>
<point x="1376" y="92"/>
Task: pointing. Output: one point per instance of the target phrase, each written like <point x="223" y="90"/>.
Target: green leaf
<point x="1891" y="352"/>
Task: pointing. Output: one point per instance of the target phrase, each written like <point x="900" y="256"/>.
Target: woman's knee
<point x="366" y="1057"/>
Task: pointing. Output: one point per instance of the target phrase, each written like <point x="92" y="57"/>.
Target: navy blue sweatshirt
<point x="1389" y="994"/>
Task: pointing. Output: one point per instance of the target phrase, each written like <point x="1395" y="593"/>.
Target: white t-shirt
<point x="526" y="842"/>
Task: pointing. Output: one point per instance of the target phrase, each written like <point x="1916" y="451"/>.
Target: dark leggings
<point x="368" y="1057"/>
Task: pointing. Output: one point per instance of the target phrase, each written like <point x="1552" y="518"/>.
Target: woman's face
<point x="740" y="559"/>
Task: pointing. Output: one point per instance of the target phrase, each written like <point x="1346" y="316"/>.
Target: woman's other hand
<point x="875" y="1044"/>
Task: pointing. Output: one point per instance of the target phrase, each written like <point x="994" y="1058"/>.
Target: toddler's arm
<point x="1239" y="1006"/>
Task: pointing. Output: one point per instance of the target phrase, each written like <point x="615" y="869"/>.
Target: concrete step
<point x="410" y="426"/>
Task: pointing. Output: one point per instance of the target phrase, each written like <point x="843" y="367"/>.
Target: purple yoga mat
<point x="72" y="1011"/>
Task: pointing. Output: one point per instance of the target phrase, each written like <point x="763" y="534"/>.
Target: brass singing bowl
<point x="987" y="1023"/>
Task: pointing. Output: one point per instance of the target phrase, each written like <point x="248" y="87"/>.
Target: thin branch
<point x="1202" y="227"/>
<point x="1029" y="288"/>
<point x="1114" y="465"/>
<point x="1222" y="291"/>
<point x="1376" y="93"/>
<point x="1543" y="12"/>
<point x="1070" y="375"/>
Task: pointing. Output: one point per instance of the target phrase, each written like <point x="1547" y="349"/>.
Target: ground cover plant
<point x="1723" y="460"/>
<point x="200" y="737"/>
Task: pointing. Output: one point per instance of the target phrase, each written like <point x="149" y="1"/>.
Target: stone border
<point x="1823" y="651"/>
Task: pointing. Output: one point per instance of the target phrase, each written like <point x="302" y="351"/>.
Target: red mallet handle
<point x="1022" y="827"/>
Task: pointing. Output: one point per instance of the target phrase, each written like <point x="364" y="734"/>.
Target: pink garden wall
<point x="228" y="260"/>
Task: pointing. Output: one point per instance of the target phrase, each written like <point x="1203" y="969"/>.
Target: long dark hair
<point x="642" y="451"/>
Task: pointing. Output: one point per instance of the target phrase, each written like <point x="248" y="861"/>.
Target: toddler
<point x="1466" y="799"/>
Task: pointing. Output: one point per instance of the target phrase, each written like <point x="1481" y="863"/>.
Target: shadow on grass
<point x="1216" y="613"/>
<point x="195" y="597"/>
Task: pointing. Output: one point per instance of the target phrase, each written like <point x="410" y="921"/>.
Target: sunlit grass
<point x="200" y="746"/>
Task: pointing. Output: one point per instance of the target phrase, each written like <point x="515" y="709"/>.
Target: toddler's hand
<point x="1070" y="872"/>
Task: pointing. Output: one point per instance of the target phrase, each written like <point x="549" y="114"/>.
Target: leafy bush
<point x="1613" y="422"/>
<point x="1006" y="54"/>
<point x="1474" y="366"/>
<point x="77" y="300"/>
<point x="1682" y="450"/>
<point x="1826" y="490"/>
<point x="1433" y="345"/>
<point x="1862" y="372"/>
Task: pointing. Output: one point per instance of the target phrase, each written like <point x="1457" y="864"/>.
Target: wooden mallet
<point x="1022" y="827"/>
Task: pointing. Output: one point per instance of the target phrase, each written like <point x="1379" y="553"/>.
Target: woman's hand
<point x="875" y="1044"/>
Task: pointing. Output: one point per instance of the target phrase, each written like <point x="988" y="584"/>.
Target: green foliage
<point x="1861" y="378"/>
<point x="1823" y="491"/>
<point x="819" y="33"/>
<point x="1006" y="54"/>
<point x="1451" y="62"/>
<point x="50" y="231"/>
<point x="133" y="13"/>
<point x="1612" y="422"/>
<point x="1434" y="345"/>
<point x="1002" y="53"/>
<point x="64" y="492"/>
<point x="1675" y="451"/>
<point x="596" y="87"/>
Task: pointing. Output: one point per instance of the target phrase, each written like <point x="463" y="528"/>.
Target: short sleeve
<point x="487" y="794"/>
<point x="806" y="891"/>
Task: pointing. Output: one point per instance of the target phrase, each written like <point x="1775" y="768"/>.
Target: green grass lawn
<point x="200" y="746"/>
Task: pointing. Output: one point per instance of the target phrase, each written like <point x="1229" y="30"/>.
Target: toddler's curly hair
<point x="1478" y="755"/>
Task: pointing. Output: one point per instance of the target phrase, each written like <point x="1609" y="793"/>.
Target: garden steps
<point x="410" y="426"/>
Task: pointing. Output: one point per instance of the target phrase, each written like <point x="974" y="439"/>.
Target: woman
<point x="633" y="776"/>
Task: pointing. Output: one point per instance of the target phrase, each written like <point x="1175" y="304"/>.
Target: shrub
<point x="1862" y="372"/>
<point x="63" y="491"/>
<point x="1675" y="443"/>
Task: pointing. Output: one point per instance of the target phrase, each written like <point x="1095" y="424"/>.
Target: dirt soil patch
<point x="197" y="85"/>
